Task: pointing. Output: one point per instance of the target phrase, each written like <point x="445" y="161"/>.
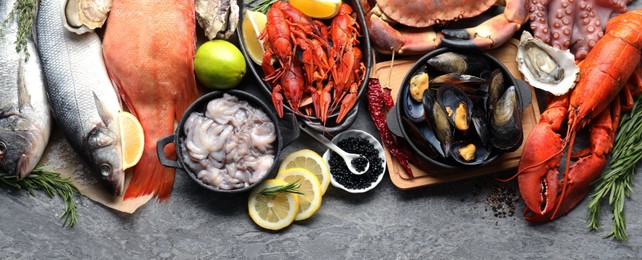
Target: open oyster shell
<point x="83" y="16"/>
<point x="545" y="67"/>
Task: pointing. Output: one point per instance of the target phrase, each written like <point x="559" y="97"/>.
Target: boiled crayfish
<point x="599" y="96"/>
<point x="329" y="70"/>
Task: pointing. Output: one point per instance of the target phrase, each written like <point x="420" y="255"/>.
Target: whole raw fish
<point x="84" y="102"/>
<point x="25" y="119"/>
<point x="149" y="53"/>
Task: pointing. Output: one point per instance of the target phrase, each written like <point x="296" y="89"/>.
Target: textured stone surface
<point x="450" y="221"/>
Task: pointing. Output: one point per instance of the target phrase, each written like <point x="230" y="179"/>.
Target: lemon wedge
<point x="253" y="25"/>
<point x="132" y="139"/>
<point x="311" y="161"/>
<point x="309" y="187"/>
<point x="273" y="212"/>
<point x="319" y="9"/>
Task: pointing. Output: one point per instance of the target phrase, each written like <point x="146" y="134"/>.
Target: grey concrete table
<point x="450" y="221"/>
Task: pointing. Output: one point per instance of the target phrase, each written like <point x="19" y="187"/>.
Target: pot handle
<point x="289" y="129"/>
<point x="393" y="122"/>
<point x="524" y="90"/>
<point x="160" y="151"/>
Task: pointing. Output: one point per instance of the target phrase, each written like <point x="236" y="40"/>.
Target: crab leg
<point x="493" y="32"/>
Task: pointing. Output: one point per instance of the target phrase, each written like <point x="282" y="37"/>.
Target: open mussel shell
<point x="452" y="62"/>
<point x="437" y="119"/>
<point x="457" y="105"/>
<point x="480" y="122"/>
<point x="506" y="121"/>
<point x="412" y="107"/>
<point x="478" y="152"/>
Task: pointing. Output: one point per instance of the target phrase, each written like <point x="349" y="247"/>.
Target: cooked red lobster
<point x="609" y="79"/>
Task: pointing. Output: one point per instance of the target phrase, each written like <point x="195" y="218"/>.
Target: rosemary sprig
<point x="261" y="6"/>
<point x="51" y="183"/>
<point x="291" y="188"/>
<point x="615" y="183"/>
<point x="25" y="12"/>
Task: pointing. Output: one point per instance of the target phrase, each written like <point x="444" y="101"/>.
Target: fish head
<point x="21" y="147"/>
<point x="106" y="158"/>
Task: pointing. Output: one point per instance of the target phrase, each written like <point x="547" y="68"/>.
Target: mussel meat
<point x="471" y="152"/>
<point x="451" y="62"/>
<point x="457" y="105"/>
<point x="506" y="121"/>
<point x="418" y="84"/>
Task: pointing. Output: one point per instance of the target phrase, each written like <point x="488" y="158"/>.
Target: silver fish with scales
<point x="25" y="120"/>
<point x="83" y="100"/>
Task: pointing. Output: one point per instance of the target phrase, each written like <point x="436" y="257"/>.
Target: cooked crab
<point x="416" y="35"/>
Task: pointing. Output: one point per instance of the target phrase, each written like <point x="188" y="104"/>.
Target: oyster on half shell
<point x="83" y="16"/>
<point x="545" y="67"/>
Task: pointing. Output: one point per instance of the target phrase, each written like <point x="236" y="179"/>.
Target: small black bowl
<point x="396" y="121"/>
<point x="285" y="134"/>
<point x="330" y="126"/>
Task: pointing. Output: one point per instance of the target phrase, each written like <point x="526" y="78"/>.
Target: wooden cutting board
<point x="430" y="174"/>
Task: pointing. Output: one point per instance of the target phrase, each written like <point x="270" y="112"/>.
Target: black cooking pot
<point x="285" y="134"/>
<point x="330" y="126"/>
<point x="401" y="127"/>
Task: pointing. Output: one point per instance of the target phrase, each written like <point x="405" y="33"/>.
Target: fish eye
<point x="105" y="170"/>
<point x="3" y="147"/>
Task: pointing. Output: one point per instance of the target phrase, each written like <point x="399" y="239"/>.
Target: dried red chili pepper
<point x="379" y="103"/>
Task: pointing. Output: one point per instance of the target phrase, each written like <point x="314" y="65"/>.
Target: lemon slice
<point x="272" y="212"/>
<point x="310" y="199"/>
<point x="253" y="25"/>
<point x="320" y="9"/>
<point x="311" y="161"/>
<point x="132" y="139"/>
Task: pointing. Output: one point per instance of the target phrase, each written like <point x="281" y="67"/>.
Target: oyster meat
<point x="545" y="67"/>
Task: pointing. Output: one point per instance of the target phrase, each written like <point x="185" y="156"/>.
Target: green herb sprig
<point x="261" y="6"/>
<point x="615" y="183"/>
<point x="291" y="188"/>
<point x="51" y="183"/>
<point x="25" y="12"/>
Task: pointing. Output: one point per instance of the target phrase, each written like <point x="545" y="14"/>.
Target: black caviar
<point x="339" y="169"/>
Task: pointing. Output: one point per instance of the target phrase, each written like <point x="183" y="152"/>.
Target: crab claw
<point x="493" y="32"/>
<point x="387" y="39"/>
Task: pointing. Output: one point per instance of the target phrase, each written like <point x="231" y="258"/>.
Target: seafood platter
<point x="327" y="99"/>
<point x="116" y="94"/>
<point x="475" y="108"/>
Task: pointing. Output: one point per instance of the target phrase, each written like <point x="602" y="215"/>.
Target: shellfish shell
<point x="544" y="67"/>
<point x="86" y="15"/>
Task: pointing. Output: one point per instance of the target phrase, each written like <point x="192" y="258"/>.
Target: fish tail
<point x="149" y="176"/>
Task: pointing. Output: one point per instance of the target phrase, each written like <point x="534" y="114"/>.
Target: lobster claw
<point x="538" y="184"/>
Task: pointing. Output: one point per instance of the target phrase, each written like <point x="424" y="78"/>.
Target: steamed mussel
<point x="468" y="117"/>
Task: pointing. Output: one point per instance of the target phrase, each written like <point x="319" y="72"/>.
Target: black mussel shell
<point x="480" y="155"/>
<point x="450" y="62"/>
<point x="480" y="122"/>
<point x="457" y="105"/>
<point x="437" y="119"/>
<point x="414" y="110"/>
<point x="458" y="79"/>
<point x="506" y="121"/>
<point x="496" y="88"/>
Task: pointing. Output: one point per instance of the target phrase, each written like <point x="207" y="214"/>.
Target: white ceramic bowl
<point x="372" y="140"/>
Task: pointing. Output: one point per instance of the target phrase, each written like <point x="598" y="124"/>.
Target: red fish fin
<point x="150" y="177"/>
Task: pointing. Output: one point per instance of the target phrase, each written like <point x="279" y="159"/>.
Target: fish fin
<point x="102" y="110"/>
<point x="150" y="177"/>
<point x="24" y="98"/>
